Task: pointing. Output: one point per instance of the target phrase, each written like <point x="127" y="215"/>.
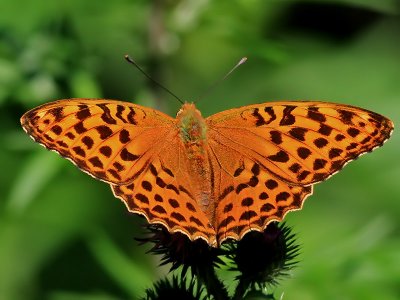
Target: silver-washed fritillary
<point x="214" y="178"/>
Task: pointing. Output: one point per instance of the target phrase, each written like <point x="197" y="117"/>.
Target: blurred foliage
<point x="63" y="235"/>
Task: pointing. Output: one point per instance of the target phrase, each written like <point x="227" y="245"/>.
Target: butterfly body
<point x="213" y="178"/>
<point x="193" y="135"/>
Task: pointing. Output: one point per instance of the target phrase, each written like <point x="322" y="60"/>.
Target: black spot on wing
<point x="353" y="132"/>
<point x="159" y="209"/>
<point x="79" y="151"/>
<point x="190" y="207"/>
<point x="298" y="133"/>
<point x="267" y="207"/>
<point x="120" y="110"/>
<point x="115" y="174"/>
<point x="56" y="129"/>
<point x="128" y="156"/>
<point x="247" y="215"/>
<point x="226" y="192"/>
<point x="88" y="141"/>
<point x="295" y="167"/>
<point x="239" y="170"/>
<point x="177" y="216"/>
<point x="96" y="162"/>
<point x="118" y="166"/>
<point x="339" y="137"/>
<point x="106" y="151"/>
<point x="57" y="113"/>
<point x="124" y="136"/>
<point x="325" y="129"/>
<point x="346" y="116"/>
<point x="83" y="112"/>
<point x="247" y="202"/>
<point x="280" y="156"/>
<point x="70" y="135"/>
<point x="270" y="111"/>
<point x="147" y="185"/>
<point x="335" y="152"/>
<point x="228" y="208"/>
<point x="271" y="184"/>
<point x="303" y="175"/>
<point x="276" y="137"/>
<point x="161" y="183"/>
<point x="283" y="196"/>
<point x="106" y="115"/>
<point x="319" y="163"/>
<point x="320" y="142"/>
<point x="142" y="198"/>
<point x="288" y="118"/>
<point x="174" y="203"/>
<point x="259" y="118"/>
<point x="104" y="131"/>
<point x="168" y="171"/>
<point x="303" y="152"/>
<point x="255" y="169"/>
<point x="241" y="187"/>
<point x="79" y="128"/>
<point x="131" y="116"/>
<point x="313" y="114"/>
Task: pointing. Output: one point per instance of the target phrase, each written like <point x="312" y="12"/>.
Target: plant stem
<point x="212" y="283"/>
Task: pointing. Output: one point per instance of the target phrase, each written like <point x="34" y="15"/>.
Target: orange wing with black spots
<point x="267" y="156"/>
<point x="110" y="140"/>
<point x="134" y="148"/>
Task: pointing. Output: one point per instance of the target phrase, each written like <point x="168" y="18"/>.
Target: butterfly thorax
<point x="192" y="125"/>
<point x="193" y="134"/>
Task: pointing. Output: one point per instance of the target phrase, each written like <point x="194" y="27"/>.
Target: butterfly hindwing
<point x="163" y="192"/>
<point x="248" y="197"/>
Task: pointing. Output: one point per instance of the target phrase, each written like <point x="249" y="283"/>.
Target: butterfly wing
<point x="134" y="148"/>
<point x="294" y="144"/>
<point x="164" y="194"/>
<point x="248" y="195"/>
<point x="110" y="140"/>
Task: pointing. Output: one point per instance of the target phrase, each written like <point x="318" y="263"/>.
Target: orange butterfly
<point x="214" y="178"/>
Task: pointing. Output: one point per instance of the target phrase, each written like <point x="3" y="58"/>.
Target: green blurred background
<point x="63" y="235"/>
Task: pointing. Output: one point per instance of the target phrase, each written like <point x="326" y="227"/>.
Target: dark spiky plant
<point x="260" y="258"/>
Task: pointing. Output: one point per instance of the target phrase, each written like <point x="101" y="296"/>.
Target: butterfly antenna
<point x="216" y="83"/>
<point x="131" y="61"/>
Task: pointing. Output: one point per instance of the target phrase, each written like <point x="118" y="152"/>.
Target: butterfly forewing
<point x="300" y="142"/>
<point x="110" y="140"/>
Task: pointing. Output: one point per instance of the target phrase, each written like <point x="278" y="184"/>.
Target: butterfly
<point x="213" y="178"/>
